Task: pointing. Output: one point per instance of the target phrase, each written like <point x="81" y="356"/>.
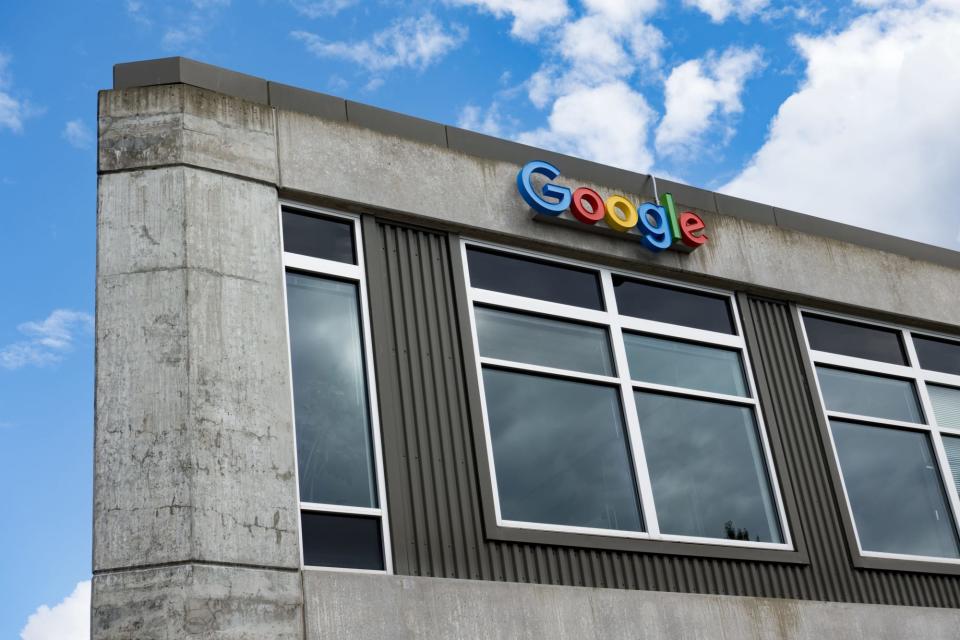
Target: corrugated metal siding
<point x="431" y="469"/>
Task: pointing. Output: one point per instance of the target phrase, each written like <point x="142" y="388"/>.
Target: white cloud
<point x="179" y="38"/>
<point x="607" y="123"/>
<point x="530" y="17"/>
<point x="321" y="8"/>
<point x="720" y="10"/>
<point x="409" y="42"/>
<point x="47" y="340"/>
<point x="12" y="111"/>
<point x="77" y="134"/>
<point x="68" y="620"/>
<point x="187" y="28"/>
<point x="136" y="12"/>
<point x="489" y="121"/>
<point x="594" y="58"/>
<point x="701" y="94"/>
<point x="871" y="136"/>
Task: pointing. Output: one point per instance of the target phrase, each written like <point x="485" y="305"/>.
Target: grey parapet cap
<point x="179" y="70"/>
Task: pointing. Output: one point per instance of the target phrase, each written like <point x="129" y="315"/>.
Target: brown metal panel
<point x="438" y="492"/>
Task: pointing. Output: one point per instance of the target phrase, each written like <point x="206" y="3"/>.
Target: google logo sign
<point x="660" y="227"/>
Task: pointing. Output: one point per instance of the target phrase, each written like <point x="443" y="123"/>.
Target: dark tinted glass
<point x="707" y="469"/>
<point x="560" y="452"/>
<point x="856" y="340"/>
<point x="672" y="305"/>
<point x="534" y="278"/>
<point x="334" y="540"/>
<point x="895" y="490"/>
<point x="938" y="355"/>
<point x="334" y="450"/>
<point x="318" y="237"/>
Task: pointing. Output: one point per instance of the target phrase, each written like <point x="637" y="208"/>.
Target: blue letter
<point x="535" y="200"/>
<point x="656" y="235"/>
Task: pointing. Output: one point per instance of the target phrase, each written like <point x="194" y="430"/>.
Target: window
<point x="343" y="518"/>
<point x="892" y="404"/>
<point x="618" y="406"/>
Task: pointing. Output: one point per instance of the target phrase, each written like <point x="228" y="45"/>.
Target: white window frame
<point x="355" y="273"/>
<point x="911" y="372"/>
<point x="616" y="324"/>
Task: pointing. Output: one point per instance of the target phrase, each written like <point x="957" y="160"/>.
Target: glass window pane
<point x="853" y="339"/>
<point x="946" y="405"/>
<point x="329" y="392"/>
<point x="868" y="395"/>
<point x="938" y="355"/>
<point x="895" y="491"/>
<point x="707" y="469"/>
<point x="334" y="540"/>
<point x="327" y="238"/>
<point x="681" y="364"/>
<point x="534" y="278"/>
<point x="560" y="452"/>
<point x="952" y="446"/>
<point x="673" y="305"/>
<point x="543" y="341"/>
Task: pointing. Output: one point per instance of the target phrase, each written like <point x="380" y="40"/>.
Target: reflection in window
<point x="895" y="491"/>
<point x="542" y="341"/>
<point x="318" y="237"/>
<point x="334" y="452"/>
<point x="673" y="305"/>
<point x="681" y="364"/>
<point x="560" y="452"/>
<point x="938" y="355"/>
<point x="333" y="540"/>
<point x="538" y="279"/>
<point x="854" y="339"/>
<point x="707" y="469"/>
<point x="869" y="395"/>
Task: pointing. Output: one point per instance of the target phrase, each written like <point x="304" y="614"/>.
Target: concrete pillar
<point x="195" y="506"/>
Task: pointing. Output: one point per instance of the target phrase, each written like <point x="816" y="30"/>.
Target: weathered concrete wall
<point x="363" y="607"/>
<point x="197" y="601"/>
<point x="343" y="161"/>
<point x="194" y="452"/>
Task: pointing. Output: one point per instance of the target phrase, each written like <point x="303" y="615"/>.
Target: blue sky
<point x="839" y="109"/>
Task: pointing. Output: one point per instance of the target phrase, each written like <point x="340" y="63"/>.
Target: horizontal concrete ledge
<point x="178" y="70"/>
<point x="363" y="607"/>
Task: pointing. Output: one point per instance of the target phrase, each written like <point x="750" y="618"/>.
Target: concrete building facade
<point x="247" y="487"/>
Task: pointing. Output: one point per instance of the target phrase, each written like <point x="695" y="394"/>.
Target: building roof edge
<point x="179" y="70"/>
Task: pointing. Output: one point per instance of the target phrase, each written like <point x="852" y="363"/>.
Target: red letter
<point x="690" y="224"/>
<point x="593" y="199"/>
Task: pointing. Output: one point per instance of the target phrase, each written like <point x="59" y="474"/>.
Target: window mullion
<point x="642" y="474"/>
<point x="946" y="473"/>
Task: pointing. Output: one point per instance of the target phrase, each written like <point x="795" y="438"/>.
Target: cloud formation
<point x="703" y="94"/>
<point x="720" y="10"/>
<point x="12" y="111"/>
<point x="870" y="138"/>
<point x="599" y="52"/>
<point x="321" y="8"/>
<point x="189" y="27"/>
<point x="530" y="17"/>
<point x="77" y="134"/>
<point x="46" y="341"/>
<point x="408" y="42"/>
<point x="618" y="138"/>
<point x="68" y="620"/>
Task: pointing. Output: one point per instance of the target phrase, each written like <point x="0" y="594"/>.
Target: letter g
<point x="550" y="190"/>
